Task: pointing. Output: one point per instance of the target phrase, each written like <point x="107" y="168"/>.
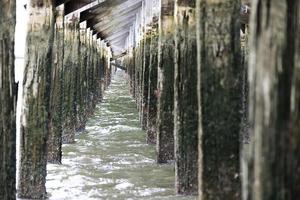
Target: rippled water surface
<point x="111" y="159"/>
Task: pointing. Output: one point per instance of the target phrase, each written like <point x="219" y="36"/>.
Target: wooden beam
<point x="117" y="25"/>
<point x="116" y="20"/>
<point x="59" y="2"/>
<point x="101" y="7"/>
<point x="124" y="32"/>
<point x="73" y="5"/>
<point x="119" y="66"/>
<point x="119" y="11"/>
<point x="110" y="31"/>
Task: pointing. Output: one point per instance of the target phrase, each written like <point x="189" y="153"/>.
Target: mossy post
<point x="133" y="72"/>
<point x="54" y="141"/>
<point x="245" y="137"/>
<point x="165" y="84"/>
<point x="93" y="73"/>
<point x="108" y="70"/>
<point x="185" y="98"/>
<point x="36" y="100"/>
<point x="105" y="71"/>
<point x="90" y="74"/>
<point x="136" y="71"/>
<point x="103" y="61"/>
<point x="141" y="81"/>
<point x="129" y="71"/>
<point x="8" y="97"/>
<point x="152" y="82"/>
<point x="108" y="66"/>
<point x="98" y="70"/>
<point x="82" y="88"/>
<point x="68" y="125"/>
<point x="76" y="76"/>
<point x="70" y="67"/>
<point x="145" y="86"/>
<point x="274" y="76"/>
<point x="138" y="68"/>
<point x="220" y="98"/>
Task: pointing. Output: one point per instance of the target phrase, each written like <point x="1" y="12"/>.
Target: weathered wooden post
<point x="274" y="76"/>
<point x="144" y="71"/>
<point x="8" y="97"/>
<point x="36" y="99"/>
<point x="137" y="71"/>
<point x="152" y="85"/>
<point x="108" y="66"/>
<point x="185" y="97"/>
<point x="76" y="75"/>
<point x="83" y="77"/>
<point x="54" y="141"/>
<point x="103" y="62"/>
<point x="89" y="72"/>
<point x="99" y="71"/>
<point x="220" y="98"/>
<point x="244" y="20"/>
<point x="137" y="57"/>
<point x="165" y="84"/>
<point x="133" y="72"/>
<point x="131" y="58"/>
<point x="69" y="62"/>
<point x="145" y="85"/>
<point x="94" y="73"/>
<point x="81" y="86"/>
<point x="245" y="134"/>
<point x="141" y="63"/>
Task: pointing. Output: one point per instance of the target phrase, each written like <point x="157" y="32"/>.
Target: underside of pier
<point x="217" y="91"/>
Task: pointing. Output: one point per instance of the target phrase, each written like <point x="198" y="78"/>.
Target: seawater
<point x="111" y="159"/>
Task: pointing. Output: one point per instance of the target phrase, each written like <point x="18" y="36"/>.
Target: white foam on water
<point x="123" y="186"/>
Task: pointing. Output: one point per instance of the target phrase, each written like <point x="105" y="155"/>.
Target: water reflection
<point x="111" y="159"/>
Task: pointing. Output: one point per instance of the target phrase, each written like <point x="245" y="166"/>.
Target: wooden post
<point x="99" y="71"/>
<point x="137" y="70"/>
<point x="81" y="86"/>
<point x="220" y="98"/>
<point x="90" y="73"/>
<point x="109" y="68"/>
<point x="141" y="81"/>
<point x="245" y="137"/>
<point x="152" y="89"/>
<point x="69" y="62"/>
<point x="36" y="100"/>
<point x="133" y="72"/>
<point x="145" y="86"/>
<point x="185" y="95"/>
<point x="138" y="57"/>
<point x="165" y="88"/>
<point x="83" y="78"/>
<point x="131" y="58"/>
<point x="274" y="75"/>
<point x="56" y="100"/>
<point x="94" y="74"/>
<point x="8" y="97"/>
<point x="75" y="75"/>
<point x="103" y="59"/>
